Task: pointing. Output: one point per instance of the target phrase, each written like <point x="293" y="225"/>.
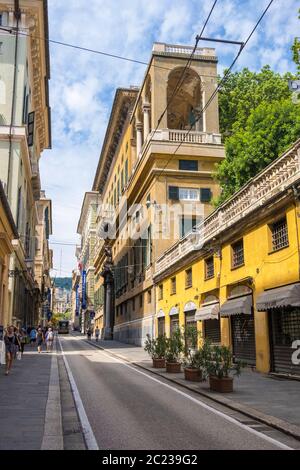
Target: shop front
<point x="283" y="307"/>
<point x="208" y="313"/>
<point x="239" y="310"/>
<point x="189" y="320"/>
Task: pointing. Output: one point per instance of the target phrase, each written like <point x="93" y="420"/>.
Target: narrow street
<point x="130" y="409"/>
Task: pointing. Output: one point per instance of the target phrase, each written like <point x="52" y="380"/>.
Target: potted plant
<point x="192" y="359"/>
<point x="175" y="347"/>
<point x="219" y="365"/>
<point x="156" y="348"/>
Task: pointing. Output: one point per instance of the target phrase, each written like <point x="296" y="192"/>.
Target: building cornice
<point x="122" y="105"/>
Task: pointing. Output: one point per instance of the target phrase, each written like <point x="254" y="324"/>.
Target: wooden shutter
<point x="174" y="193"/>
<point x="205" y="194"/>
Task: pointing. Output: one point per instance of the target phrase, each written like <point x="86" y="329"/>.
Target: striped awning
<point x="286" y="296"/>
<point x="236" y="306"/>
<point x="208" y="311"/>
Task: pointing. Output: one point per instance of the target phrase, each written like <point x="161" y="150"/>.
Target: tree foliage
<point x="258" y="121"/>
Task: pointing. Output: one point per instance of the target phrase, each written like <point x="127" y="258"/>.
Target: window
<point x="188" y="278"/>
<point x="190" y="165"/>
<point x="187" y="224"/>
<point x="205" y="195"/>
<point x="173" y="285"/>
<point x="149" y="296"/>
<point x="133" y="304"/>
<point x="160" y="292"/>
<point x="280" y="237"/>
<point x="209" y="268"/>
<point x="188" y="194"/>
<point x="141" y="300"/>
<point x="122" y="180"/>
<point x="237" y="254"/>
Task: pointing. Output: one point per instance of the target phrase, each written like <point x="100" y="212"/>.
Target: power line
<point x="11" y="30"/>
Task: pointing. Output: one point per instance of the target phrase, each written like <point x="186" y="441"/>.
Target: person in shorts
<point x="12" y="343"/>
<point x="40" y="339"/>
<point x="49" y="338"/>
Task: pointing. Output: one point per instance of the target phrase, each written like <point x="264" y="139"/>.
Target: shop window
<point x="237" y="254"/>
<point x="209" y="268"/>
<point x="188" y="278"/>
<point x="173" y="285"/>
<point x="279" y="235"/>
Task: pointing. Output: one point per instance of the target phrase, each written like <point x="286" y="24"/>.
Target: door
<point x="191" y="322"/>
<point x="285" y="330"/>
<point x="243" y="338"/>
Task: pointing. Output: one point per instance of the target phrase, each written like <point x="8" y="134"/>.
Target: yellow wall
<point x="268" y="270"/>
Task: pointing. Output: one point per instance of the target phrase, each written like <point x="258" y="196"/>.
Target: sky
<point x="83" y="84"/>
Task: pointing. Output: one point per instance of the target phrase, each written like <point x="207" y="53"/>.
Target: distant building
<point x="61" y="300"/>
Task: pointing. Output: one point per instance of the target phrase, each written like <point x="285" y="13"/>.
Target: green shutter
<point x="205" y="194"/>
<point x="174" y="193"/>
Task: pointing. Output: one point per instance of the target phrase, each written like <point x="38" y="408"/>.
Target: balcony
<point x="181" y="136"/>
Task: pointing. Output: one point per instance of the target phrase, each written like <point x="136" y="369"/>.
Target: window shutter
<point x="174" y="193"/>
<point x="205" y="194"/>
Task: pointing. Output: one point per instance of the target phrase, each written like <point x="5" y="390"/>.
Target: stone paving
<point x="23" y="400"/>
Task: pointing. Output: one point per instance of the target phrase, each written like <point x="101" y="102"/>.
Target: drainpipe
<point x="17" y="13"/>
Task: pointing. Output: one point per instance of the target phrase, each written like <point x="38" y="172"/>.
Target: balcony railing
<point x="181" y="136"/>
<point x="273" y="180"/>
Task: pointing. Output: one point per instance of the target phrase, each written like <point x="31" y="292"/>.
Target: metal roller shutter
<point x="285" y="330"/>
<point x="212" y="330"/>
<point x="243" y="338"/>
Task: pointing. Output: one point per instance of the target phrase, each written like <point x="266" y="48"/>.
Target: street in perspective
<point x="149" y="229"/>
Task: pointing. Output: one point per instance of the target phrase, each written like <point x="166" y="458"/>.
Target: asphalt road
<point x="128" y="409"/>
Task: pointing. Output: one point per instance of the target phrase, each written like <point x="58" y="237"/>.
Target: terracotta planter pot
<point x="159" y="363"/>
<point x="173" y="367"/>
<point x="193" y="375"/>
<point x="224" y="385"/>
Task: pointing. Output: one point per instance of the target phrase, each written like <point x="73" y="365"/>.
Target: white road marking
<point x="204" y="405"/>
<point x="86" y="427"/>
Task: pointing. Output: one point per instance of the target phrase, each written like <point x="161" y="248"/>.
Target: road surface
<point x="125" y="408"/>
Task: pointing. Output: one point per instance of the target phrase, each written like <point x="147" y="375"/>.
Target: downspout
<point x="12" y="116"/>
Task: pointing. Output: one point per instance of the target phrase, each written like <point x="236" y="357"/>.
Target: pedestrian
<point x="40" y="339"/>
<point x="97" y="331"/>
<point x="49" y="337"/>
<point x="32" y="336"/>
<point x="11" y="345"/>
<point x="89" y="333"/>
<point x="23" y="339"/>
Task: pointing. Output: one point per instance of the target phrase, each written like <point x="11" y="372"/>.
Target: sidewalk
<point x="270" y="400"/>
<point x="24" y="399"/>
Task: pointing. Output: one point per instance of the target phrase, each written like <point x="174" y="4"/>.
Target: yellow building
<point x="8" y="232"/>
<point x="237" y="277"/>
<point x="155" y="179"/>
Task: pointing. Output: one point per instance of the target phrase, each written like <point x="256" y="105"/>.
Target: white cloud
<point x="82" y="84"/>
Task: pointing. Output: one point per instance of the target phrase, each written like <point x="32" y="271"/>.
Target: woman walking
<point x="40" y="339"/>
<point x="11" y="343"/>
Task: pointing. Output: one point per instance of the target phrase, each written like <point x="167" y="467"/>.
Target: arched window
<point x="186" y="101"/>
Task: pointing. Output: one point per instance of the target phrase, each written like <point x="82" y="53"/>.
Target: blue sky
<point x="82" y="84"/>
